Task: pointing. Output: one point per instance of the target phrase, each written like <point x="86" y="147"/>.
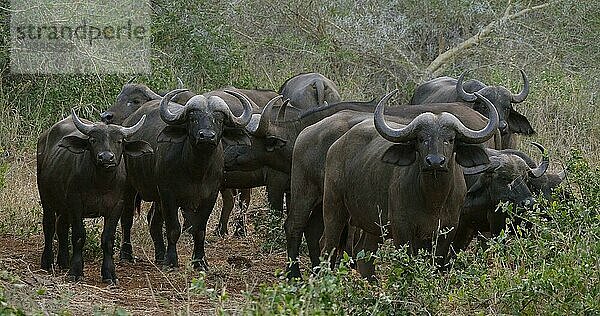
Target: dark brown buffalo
<point x="308" y="90"/>
<point x="507" y="178"/>
<point x="80" y="174"/>
<point x="310" y="150"/>
<point x="446" y="89"/>
<point x="407" y="175"/>
<point x="187" y="168"/>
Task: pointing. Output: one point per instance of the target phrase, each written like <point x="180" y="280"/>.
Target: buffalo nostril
<point x="434" y="160"/>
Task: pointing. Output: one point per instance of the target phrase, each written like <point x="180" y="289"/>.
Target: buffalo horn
<point x="81" y="126"/>
<point x="243" y="119"/>
<point x="543" y="166"/>
<point x="179" y="83"/>
<point x="518" y="98"/>
<point x="129" y="131"/>
<point x="460" y="90"/>
<point x="166" y="114"/>
<point x="265" y="118"/>
<point x="476" y="137"/>
<point x="281" y="113"/>
<point x="395" y="135"/>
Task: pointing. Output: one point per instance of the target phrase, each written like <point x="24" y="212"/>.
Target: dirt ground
<point x="236" y="264"/>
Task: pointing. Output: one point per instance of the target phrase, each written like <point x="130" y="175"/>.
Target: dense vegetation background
<point x="369" y="48"/>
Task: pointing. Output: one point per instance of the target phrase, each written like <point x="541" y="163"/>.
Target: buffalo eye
<point x="119" y="141"/>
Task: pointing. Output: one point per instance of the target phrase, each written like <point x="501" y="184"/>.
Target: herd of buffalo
<point x="349" y="173"/>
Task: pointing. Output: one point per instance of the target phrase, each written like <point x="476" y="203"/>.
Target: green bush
<point x="546" y="264"/>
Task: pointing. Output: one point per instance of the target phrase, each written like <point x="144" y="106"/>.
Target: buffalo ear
<point x="233" y="137"/>
<point x="272" y="143"/>
<point x="471" y="155"/>
<point x="74" y="144"/>
<point x="172" y="134"/>
<point x="137" y="148"/>
<point x="400" y="154"/>
<point x="519" y="124"/>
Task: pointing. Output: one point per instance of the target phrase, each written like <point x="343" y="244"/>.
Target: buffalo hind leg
<point x="62" y="232"/>
<point x="108" y="243"/>
<point x="335" y="219"/>
<point x="313" y="233"/>
<point x="243" y="204"/>
<point x="49" y="226"/>
<point x="77" y="240"/>
<point x="126" y="253"/>
<point x="228" y="203"/>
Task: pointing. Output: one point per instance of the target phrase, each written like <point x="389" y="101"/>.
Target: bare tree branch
<point x="437" y="66"/>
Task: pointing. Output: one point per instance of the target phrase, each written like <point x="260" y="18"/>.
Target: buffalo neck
<point x="438" y="187"/>
<point x="195" y="157"/>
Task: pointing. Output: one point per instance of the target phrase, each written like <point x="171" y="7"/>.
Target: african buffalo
<point x="310" y="89"/>
<point x="80" y="175"/>
<point x="506" y="178"/>
<point x="187" y="168"/>
<point x="409" y="175"/>
<point x="446" y="89"/>
<point x="310" y="151"/>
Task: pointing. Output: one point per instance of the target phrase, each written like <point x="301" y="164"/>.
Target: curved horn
<point x="179" y="83"/>
<point x="477" y="137"/>
<point x="543" y="166"/>
<point x="165" y="114"/>
<point x="481" y="168"/>
<point x="151" y="94"/>
<point x="464" y="95"/>
<point x="131" y="80"/>
<point x="518" y="98"/>
<point x="84" y="128"/>
<point x="243" y="119"/>
<point x="129" y="131"/>
<point x="389" y="133"/>
<point x="265" y="118"/>
<point x="281" y="113"/>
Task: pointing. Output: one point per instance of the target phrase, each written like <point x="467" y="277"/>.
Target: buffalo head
<point x="264" y="146"/>
<point x="201" y="119"/>
<point x="106" y="143"/>
<point x="432" y="139"/>
<point x="511" y="121"/>
<point x="310" y="89"/>
<point x="131" y="98"/>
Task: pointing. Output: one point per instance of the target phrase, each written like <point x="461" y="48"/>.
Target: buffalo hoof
<point x="293" y="271"/>
<point x="126" y="257"/>
<point x="46" y="265"/>
<point x="171" y="261"/>
<point x="110" y="281"/>
<point x="74" y="278"/>
<point x="200" y="264"/>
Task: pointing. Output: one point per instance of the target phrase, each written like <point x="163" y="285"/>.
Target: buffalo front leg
<point x="368" y="243"/>
<point x="108" y="242"/>
<point x="77" y="241"/>
<point x="170" y="215"/>
<point x="49" y="226"/>
<point x="198" y="231"/>
<point x="155" y="222"/>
